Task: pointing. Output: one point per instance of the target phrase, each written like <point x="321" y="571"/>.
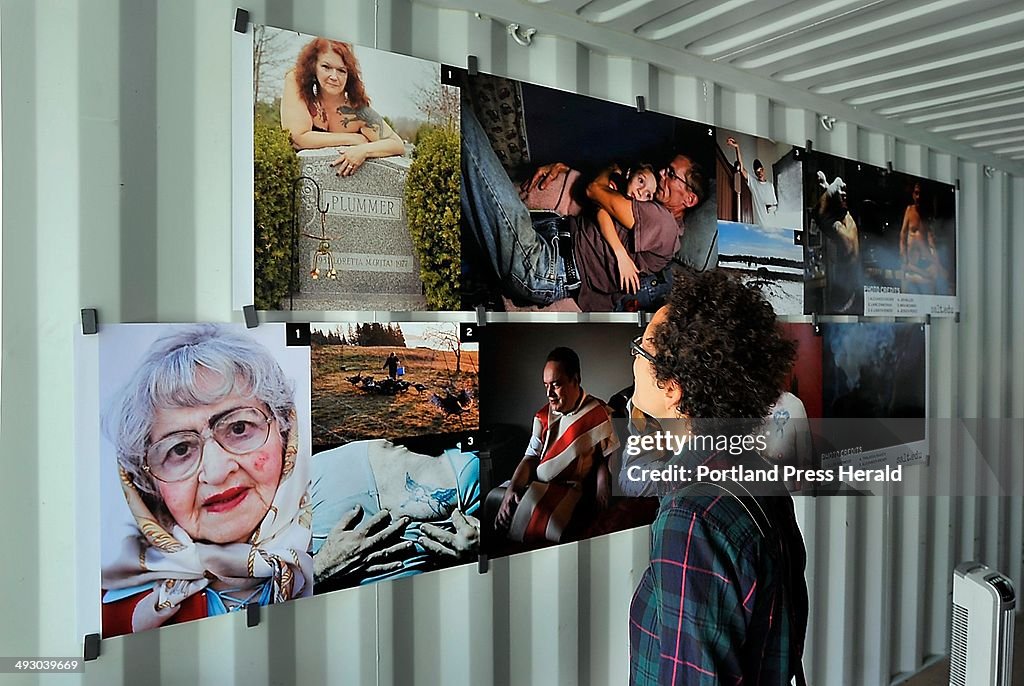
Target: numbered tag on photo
<point x="468" y="441"/>
<point x="469" y="332"/>
<point x="298" y="334"/>
<point x="452" y="76"/>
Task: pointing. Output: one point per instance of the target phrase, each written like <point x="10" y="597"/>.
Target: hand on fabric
<point x="731" y="142"/>
<point x="350" y="159"/>
<point x="368" y="548"/>
<point x="508" y="506"/>
<point x="464" y="542"/>
<point x="547" y="173"/>
<point x="162" y="603"/>
<point x="629" y="275"/>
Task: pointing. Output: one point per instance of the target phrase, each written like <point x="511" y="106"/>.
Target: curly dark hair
<point x="720" y="342"/>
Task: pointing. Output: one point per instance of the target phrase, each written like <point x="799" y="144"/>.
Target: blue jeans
<point x="527" y="264"/>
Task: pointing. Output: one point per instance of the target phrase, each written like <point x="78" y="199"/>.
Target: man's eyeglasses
<point x="635" y="349"/>
<point x="671" y="173"/>
<point x="177" y="457"/>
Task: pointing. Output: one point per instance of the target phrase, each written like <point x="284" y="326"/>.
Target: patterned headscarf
<point x="277" y="551"/>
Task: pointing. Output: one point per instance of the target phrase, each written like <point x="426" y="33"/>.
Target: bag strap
<point x="764" y="525"/>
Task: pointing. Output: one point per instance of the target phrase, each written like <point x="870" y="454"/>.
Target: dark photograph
<point x="552" y="398"/>
<point x="572" y="203"/>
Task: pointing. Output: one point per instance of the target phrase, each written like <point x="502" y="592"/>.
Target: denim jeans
<point x="527" y="264"/>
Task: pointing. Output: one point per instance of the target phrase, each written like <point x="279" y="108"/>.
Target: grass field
<point x="343" y="412"/>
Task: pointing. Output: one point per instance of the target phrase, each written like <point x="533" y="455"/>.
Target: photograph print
<point x="205" y="450"/>
<point x="910" y="264"/>
<point x="391" y="380"/>
<point x="877" y="243"/>
<point x="395" y="488"/>
<point x="874" y="394"/>
<point x="356" y="177"/>
<point x="572" y="203"/>
<point x="553" y="418"/>
<point x="844" y="215"/>
<point x="760" y="216"/>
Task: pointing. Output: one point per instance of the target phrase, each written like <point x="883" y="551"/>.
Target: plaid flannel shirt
<point x="714" y="607"/>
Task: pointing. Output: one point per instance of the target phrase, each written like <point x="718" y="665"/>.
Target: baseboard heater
<point x="981" y="652"/>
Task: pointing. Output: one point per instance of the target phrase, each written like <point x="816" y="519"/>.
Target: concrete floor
<point x="938" y="674"/>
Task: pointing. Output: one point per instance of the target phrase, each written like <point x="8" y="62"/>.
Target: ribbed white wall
<point x="116" y="186"/>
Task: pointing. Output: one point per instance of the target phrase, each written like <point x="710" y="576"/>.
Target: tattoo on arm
<point x="439" y="500"/>
<point x="365" y="114"/>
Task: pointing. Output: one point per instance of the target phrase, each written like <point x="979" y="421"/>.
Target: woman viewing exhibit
<point x="324" y="105"/>
<point x="724" y="599"/>
<point x="206" y="439"/>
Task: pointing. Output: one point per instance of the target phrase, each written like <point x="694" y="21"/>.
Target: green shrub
<point x="275" y="169"/>
<point x="432" y="206"/>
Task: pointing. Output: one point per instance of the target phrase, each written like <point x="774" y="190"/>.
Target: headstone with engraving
<point x="354" y="250"/>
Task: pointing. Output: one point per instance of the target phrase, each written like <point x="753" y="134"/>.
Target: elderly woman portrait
<point x="324" y="104"/>
<point x="206" y="438"/>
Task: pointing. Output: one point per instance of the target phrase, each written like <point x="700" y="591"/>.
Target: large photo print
<point x="395" y="483"/>
<point x="572" y="203"/>
<point x="553" y="413"/>
<point x="877" y="243"/>
<point x="910" y="267"/>
<point x="204" y="487"/>
<point x="760" y="217"/>
<point x="355" y="178"/>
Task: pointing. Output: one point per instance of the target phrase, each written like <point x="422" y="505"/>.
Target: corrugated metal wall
<point x="116" y="161"/>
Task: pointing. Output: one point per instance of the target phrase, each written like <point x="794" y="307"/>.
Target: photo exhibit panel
<point x="355" y="175"/>
<point x="760" y="216"/>
<point x="573" y="204"/>
<point x="205" y="464"/>
<point x="395" y="476"/>
<point x="553" y="419"/>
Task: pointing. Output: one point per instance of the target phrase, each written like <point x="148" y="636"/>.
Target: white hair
<point x="167" y="378"/>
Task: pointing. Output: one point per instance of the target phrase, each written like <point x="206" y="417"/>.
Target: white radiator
<point x="981" y="653"/>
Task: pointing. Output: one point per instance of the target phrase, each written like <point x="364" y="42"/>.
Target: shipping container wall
<point x="116" y="189"/>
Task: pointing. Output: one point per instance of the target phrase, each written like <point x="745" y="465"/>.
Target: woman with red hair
<point x="324" y="104"/>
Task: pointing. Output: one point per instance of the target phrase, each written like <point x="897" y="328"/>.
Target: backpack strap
<point x="764" y="526"/>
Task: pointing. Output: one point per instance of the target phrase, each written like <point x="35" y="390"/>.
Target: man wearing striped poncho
<point x="565" y="469"/>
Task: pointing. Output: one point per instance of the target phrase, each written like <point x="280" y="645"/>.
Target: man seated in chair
<point x="564" y="474"/>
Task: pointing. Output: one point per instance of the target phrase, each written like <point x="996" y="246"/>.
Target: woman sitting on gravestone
<point x="325" y="105"/>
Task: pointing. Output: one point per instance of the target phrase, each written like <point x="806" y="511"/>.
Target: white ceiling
<point x="950" y="70"/>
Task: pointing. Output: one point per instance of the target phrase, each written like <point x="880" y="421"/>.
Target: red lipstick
<point x="226" y="500"/>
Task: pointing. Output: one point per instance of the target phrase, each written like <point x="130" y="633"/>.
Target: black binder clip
<point x="472" y="65"/>
<point x="252" y="615"/>
<point x="252" y="320"/>
<point x="481" y="316"/>
<point x="241" y="20"/>
<point x="89" y="321"/>
<point x="816" y="324"/>
<point x="91" y="647"/>
<point x="810" y="145"/>
<point x="641" y="104"/>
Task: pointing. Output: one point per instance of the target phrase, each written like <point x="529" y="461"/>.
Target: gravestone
<point x="357" y="255"/>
